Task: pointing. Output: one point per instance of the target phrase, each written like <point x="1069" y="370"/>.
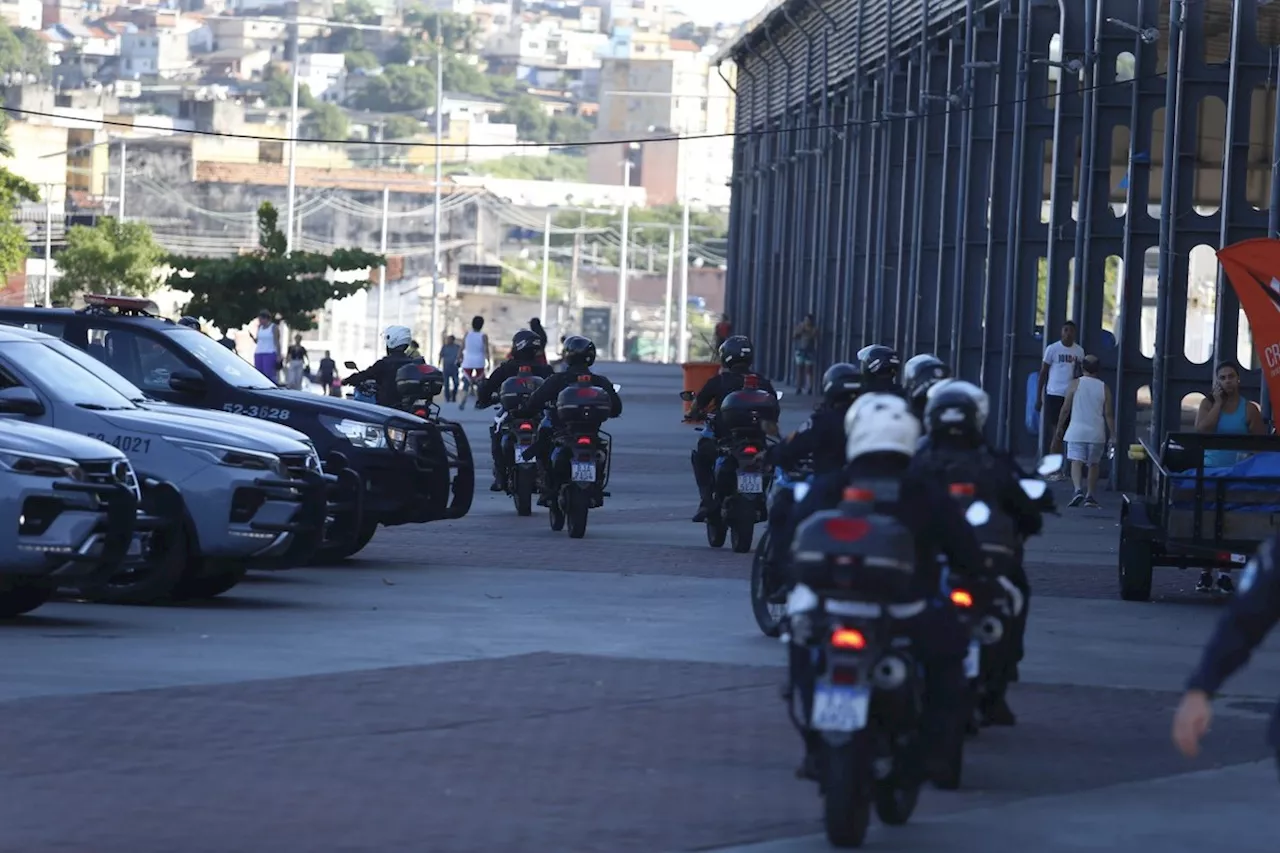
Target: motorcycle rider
<point x="881" y="366"/>
<point x="882" y="435"/>
<point x="736" y="356"/>
<point x="919" y="374"/>
<point x="383" y="371"/>
<point x="820" y="439"/>
<point x="526" y="351"/>
<point x="957" y="452"/>
<point x="578" y="354"/>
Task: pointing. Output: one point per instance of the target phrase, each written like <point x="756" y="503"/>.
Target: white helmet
<point x="879" y="423"/>
<point x="980" y="398"/>
<point x="398" y="336"/>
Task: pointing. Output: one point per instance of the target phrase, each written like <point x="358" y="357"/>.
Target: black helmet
<point x="880" y="366"/>
<point x="578" y="351"/>
<point x="952" y="417"/>
<point x="190" y="323"/>
<point x="525" y="345"/>
<point x="841" y="384"/>
<point x="920" y="373"/>
<point x="736" y="353"/>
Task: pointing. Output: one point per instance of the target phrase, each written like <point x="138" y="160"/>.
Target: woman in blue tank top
<point x="1225" y="412"/>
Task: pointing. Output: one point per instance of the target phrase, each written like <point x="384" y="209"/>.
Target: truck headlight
<point x="38" y="465"/>
<point x="233" y="457"/>
<point x="397" y="437"/>
<point x="360" y="433"/>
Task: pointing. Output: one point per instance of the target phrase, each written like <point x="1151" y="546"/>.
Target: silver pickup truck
<point x="69" y="506"/>
<point x="228" y="494"/>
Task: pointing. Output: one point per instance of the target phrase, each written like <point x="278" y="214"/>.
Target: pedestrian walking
<point x="327" y="375"/>
<point x="266" y="346"/>
<point x="296" y="364"/>
<point x="475" y="360"/>
<point x="450" y="363"/>
<point x="1056" y="373"/>
<point x="1086" y="424"/>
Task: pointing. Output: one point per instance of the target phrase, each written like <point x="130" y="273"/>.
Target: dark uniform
<point x="526" y="352"/>
<point x="384" y="372"/>
<point x="1251" y="614"/>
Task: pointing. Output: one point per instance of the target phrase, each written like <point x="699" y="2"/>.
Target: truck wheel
<point x="1135" y="569"/>
<point x="209" y="586"/>
<point x="151" y="581"/>
<point x="24" y="596"/>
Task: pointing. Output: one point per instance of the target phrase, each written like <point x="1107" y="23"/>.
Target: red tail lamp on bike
<point x="853" y="495"/>
<point x="846" y="529"/>
<point x="751" y="450"/>
<point x="584" y="441"/>
<point x="962" y="490"/>
<point x="848" y="638"/>
<point x="422" y="413"/>
<point x="961" y="598"/>
<point x="526" y="427"/>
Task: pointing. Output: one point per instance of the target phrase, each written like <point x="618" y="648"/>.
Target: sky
<point x="712" y="11"/>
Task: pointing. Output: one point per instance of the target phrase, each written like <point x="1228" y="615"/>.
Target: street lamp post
<point x="620" y="344"/>
<point x="435" y="207"/>
<point x="546" y="267"/>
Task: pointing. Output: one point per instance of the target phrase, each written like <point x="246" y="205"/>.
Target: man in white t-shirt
<point x="1060" y="360"/>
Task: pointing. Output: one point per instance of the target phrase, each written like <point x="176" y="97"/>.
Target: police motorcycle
<point x="580" y="455"/>
<point x="366" y="391"/>
<point x="742" y="478"/>
<point x="991" y="607"/>
<point x="418" y="384"/>
<point x="855" y="571"/>
<point x="516" y="435"/>
<point x="770" y="580"/>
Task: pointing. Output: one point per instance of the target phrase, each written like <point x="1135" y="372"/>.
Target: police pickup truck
<point x="393" y="467"/>
<point x="229" y="496"/>
<point x="68" y="507"/>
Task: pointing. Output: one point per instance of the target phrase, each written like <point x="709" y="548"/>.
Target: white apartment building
<point x="235" y="33"/>
<point x="524" y="43"/>
<point x="325" y="74"/>
<point x="27" y="14"/>
<point x="159" y="52"/>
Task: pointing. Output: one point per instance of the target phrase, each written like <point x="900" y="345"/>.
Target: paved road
<point x="489" y="685"/>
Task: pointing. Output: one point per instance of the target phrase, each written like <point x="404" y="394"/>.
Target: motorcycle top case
<point x="746" y="410"/>
<point x="419" y="381"/>
<point x="516" y="390"/>
<point x="584" y="404"/>
<point x="857" y="551"/>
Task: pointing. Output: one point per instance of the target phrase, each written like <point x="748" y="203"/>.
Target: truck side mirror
<point x="20" y="401"/>
<point x="188" y="381"/>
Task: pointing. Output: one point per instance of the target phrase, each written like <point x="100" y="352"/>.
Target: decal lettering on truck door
<point x="264" y="412"/>
<point x="125" y="443"/>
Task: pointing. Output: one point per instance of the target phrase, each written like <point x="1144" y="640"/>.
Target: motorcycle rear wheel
<point x="716" y="532"/>
<point x="576" y="508"/>
<point x="846" y="800"/>
<point x="555" y="513"/>
<point x="742" y="529"/>
<point x="523" y="482"/>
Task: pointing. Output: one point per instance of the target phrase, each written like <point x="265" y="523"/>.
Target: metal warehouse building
<point x="954" y="175"/>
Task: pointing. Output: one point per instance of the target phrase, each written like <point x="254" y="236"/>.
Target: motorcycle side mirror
<point x="800" y="490"/>
<point x="779" y="395"/>
<point x="1034" y="489"/>
<point x="977" y="514"/>
<point x="687" y="396"/>
<point x="350" y="365"/>
<point x="617" y="388"/>
<point x="1051" y="464"/>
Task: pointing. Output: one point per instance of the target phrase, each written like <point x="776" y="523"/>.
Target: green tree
<point x="568" y="130"/>
<point x="401" y="127"/>
<point x="528" y="115"/>
<point x="459" y="31"/>
<point x="360" y="59"/>
<point x="1111" y="290"/>
<point x="277" y="89"/>
<point x="356" y="12"/>
<point x="326" y="121"/>
<point x="13" y="239"/>
<point x="649" y="227"/>
<point x="231" y="291"/>
<point x="22" y="50"/>
<point x="526" y="280"/>
<point x="398" y="89"/>
<point x="111" y="257"/>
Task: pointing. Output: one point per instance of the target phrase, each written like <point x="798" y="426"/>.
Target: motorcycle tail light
<point x="584" y="441"/>
<point x="962" y="490"/>
<point x="846" y="529"/>
<point x="848" y="638"/>
<point x="961" y="598"/>
<point x="422" y="413"/>
<point x="526" y="427"/>
<point x="751" y="450"/>
<point x="844" y="675"/>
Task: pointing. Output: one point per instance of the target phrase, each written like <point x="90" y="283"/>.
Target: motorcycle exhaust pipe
<point x="990" y="631"/>
<point x="889" y="673"/>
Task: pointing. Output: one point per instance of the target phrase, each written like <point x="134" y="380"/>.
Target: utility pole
<point x="577" y="260"/>
<point x="666" y="306"/>
<point x="546" y="266"/>
<point x="123" y="160"/>
<point x="48" y="245"/>
<point x="620" y="347"/>
<point x="293" y="146"/>
<point x="682" y="345"/>
<point x="382" y="270"/>
<point x="479" y="230"/>
<point x="435" y="212"/>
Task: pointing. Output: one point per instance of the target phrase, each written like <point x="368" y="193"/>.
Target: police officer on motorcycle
<point x="919" y="374"/>
<point x="383" y="371"/>
<point x="956" y="452"/>
<point x="820" y="440"/>
<point x="736" y="356"/>
<point x="1251" y="614"/>
<point x="526" y="352"/>
<point x="577" y="356"/>
<point x="881" y="366"/>
<point x="882" y="435"/>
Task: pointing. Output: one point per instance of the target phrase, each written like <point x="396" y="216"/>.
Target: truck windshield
<point x="61" y="378"/>
<point x="106" y="374"/>
<point x="231" y="368"/>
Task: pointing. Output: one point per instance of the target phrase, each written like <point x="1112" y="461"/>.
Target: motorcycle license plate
<point x="838" y="708"/>
<point x="973" y="660"/>
<point x="584" y="472"/>
<point x="750" y="484"/>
